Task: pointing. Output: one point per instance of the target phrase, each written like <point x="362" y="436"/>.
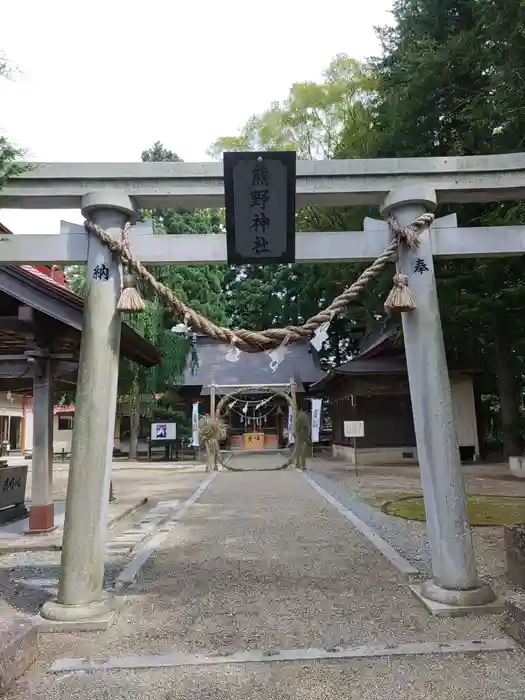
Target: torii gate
<point x="110" y="194"/>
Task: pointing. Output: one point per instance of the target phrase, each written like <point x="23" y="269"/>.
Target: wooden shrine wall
<point x="384" y="405"/>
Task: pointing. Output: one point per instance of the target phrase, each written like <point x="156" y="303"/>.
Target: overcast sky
<point x="102" y="81"/>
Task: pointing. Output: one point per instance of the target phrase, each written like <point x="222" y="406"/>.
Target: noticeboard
<point x="354" y="428"/>
<point x="163" y="431"/>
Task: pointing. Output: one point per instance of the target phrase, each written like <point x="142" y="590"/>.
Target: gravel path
<point x="453" y="678"/>
<point x="405" y="537"/>
<point x="262" y="561"/>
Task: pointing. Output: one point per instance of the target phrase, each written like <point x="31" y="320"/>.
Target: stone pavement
<point x="262" y="562"/>
<point x="132" y="481"/>
<point x="13" y="537"/>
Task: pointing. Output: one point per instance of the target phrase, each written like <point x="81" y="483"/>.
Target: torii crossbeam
<point x="111" y="194"/>
<point x="70" y="247"/>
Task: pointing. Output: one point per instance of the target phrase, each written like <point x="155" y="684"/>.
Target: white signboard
<point x="354" y="428"/>
<point x="163" y="431"/>
<point x="291" y="437"/>
<point x="195" y="425"/>
<point x="316" y="418"/>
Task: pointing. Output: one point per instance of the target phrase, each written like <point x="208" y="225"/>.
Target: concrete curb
<point x="18" y="650"/>
<point x="130" y="511"/>
<point x="174" y="660"/>
<point x="55" y="544"/>
<point x="515" y="609"/>
<point x="128" y="575"/>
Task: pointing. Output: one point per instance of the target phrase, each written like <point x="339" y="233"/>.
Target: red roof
<point x="50" y="280"/>
<point x="50" y="273"/>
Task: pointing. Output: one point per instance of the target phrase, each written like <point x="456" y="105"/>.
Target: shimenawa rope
<point x="399" y="299"/>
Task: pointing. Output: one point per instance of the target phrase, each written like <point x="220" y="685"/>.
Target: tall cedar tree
<point x="448" y="84"/>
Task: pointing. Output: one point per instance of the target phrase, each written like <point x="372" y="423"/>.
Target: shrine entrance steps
<point x="259" y="563"/>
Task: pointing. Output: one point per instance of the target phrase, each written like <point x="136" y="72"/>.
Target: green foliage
<point x="313" y="117"/>
<point x="328" y="119"/>
<point x="482" y="510"/>
<point x="9" y="153"/>
<point x="76" y="278"/>
<point x="200" y="287"/>
<point x="9" y="167"/>
<point x="158" y="154"/>
<point x="448" y="84"/>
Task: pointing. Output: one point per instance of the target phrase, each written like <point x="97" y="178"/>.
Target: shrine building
<point x="210" y="362"/>
<point x="373" y="387"/>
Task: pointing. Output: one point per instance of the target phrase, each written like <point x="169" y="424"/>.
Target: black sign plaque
<point x="259" y="191"/>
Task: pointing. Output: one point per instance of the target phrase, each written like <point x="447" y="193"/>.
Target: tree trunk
<point x="508" y="389"/>
<point x="134" y="420"/>
<point x="134" y="425"/>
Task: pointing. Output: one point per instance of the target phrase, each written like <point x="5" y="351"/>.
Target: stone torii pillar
<point x="455" y="584"/>
<point x="81" y="597"/>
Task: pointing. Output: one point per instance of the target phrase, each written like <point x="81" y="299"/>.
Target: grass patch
<point x="381" y="498"/>
<point x="482" y="510"/>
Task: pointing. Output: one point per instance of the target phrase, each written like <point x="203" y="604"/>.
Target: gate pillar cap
<point x="410" y="194"/>
<point x="109" y="199"/>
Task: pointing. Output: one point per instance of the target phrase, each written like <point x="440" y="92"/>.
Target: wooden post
<point x="212" y="399"/>
<point x="293" y="396"/>
<point x="23" y="425"/>
<point x="41" y="512"/>
<point x="212" y="448"/>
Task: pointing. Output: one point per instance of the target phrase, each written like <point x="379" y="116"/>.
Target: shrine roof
<point x="301" y="362"/>
<point x="370" y="366"/>
<point x="53" y="299"/>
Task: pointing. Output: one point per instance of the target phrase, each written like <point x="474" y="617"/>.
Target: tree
<point x="328" y="119"/>
<point x="158" y="154"/>
<point x="447" y="86"/>
<point x="9" y="153"/>
<point x="199" y="286"/>
<point x="313" y="117"/>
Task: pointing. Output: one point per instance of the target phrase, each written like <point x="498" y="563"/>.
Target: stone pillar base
<point x="454" y="602"/>
<point x="41" y="519"/>
<point x="98" y="615"/>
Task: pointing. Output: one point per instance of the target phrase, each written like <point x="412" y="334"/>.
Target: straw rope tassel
<point x="131" y="300"/>
<point x="401" y="297"/>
